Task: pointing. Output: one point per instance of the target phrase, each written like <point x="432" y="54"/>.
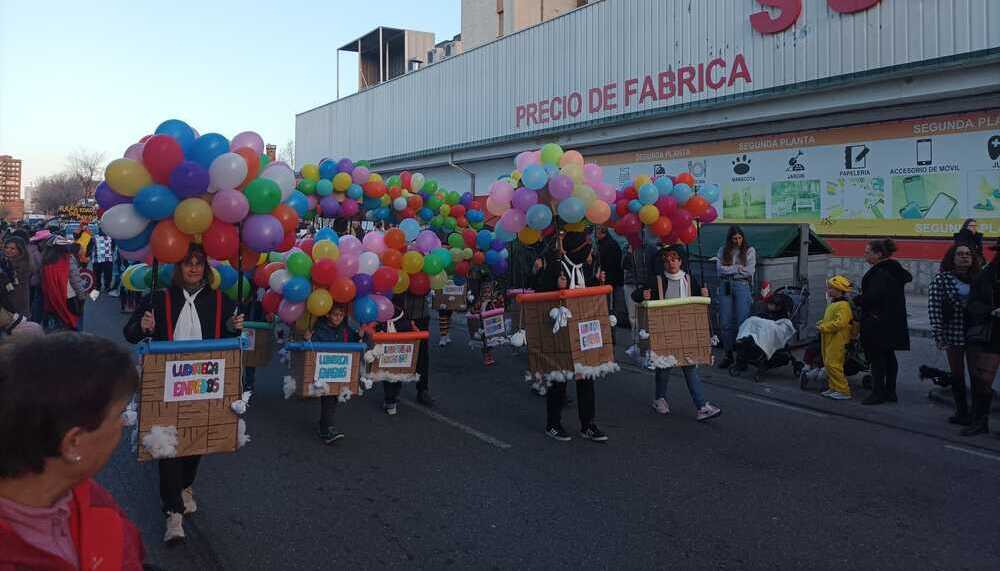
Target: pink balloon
<point x="680" y="218"/>
<point x="710" y="215"/>
<point x="501" y="192"/>
<point x="385" y="309"/>
<point x="360" y="175"/>
<point x="230" y="206"/>
<point x="604" y="192"/>
<point x="666" y="205"/>
<point x="136" y="256"/>
<point x="290" y="312"/>
<point x="592" y="173"/>
<point x="522" y="160"/>
<point x="134" y="151"/>
<point x="426" y="241"/>
<point x="313" y="201"/>
<point x="513" y="221"/>
<point x="350" y="246"/>
<point x="349" y="208"/>
<point x="247" y="139"/>
<point x="374" y="242"/>
<point x="496" y="208"/>
<point x="524" y="198"/>
<point x="347" y="265"/>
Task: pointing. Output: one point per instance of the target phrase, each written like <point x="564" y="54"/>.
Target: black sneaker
<point x="594" y="434"/>
<point x="425" y="398"/>
<point x="558" y="433"/>
<point x="330" y="435"/>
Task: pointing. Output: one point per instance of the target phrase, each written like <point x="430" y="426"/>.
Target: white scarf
<point x="681" y="277"/>
<point x="575" y="273"/>
<point x="390" y="326"/>
<point x="188" y="324"/>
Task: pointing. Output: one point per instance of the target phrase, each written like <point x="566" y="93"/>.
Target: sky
<point x="99" y="75"/>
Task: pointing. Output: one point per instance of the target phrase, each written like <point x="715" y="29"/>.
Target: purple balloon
<point x="362" y="284"/>
<point x="498" y="244"/>
<point x="106" y="198"/>
<point x="349" y="208"/>
<point x="330" y="206"/>
<point x="500" y="267"/>
<point x="524" y="199"/>
<point x="230" y="206"/>
<point x="561" y="187"/>
<point x="262" y="232"/>
<point x="427" y="240"/>
<point x="467" y="200"/>
<point x="189" y="179"/>
<point x="345" y="165"/>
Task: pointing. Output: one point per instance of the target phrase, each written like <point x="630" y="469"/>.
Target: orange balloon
<point x="342" y="290"/>
<point x="697" y="206"/>
<point x="661" y="227"/>
<point x="395" y="239"/>
<point x="168" y="244"/>
<point x="250" y="258"/>
<point x="253" y="164"/>
<point x="288" y="217"/>
<point x="392" y="258"/>
<point x="684" y="178"/>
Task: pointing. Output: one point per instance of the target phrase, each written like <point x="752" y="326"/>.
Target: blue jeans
<point x="692" y="379"/>
<point x="734" y="309"/>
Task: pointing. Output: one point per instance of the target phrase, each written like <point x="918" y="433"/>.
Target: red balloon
<point x="395" y="193"/>
<point x="221" y="241"/>
<point x="167" y="243"/>
<point x="697" y="206"/>
<point x="249" y="259"/>
<point x="374" y="189"/>
<point x="462" y="268"/>
<point x="271" y="301"/>
<point x="621" y="207"/>
<point x="457" y="211"/>
<point x="415" y="202"/>
<point x="420" y="284"/>
<point x="406" y="213"/>
<point x="306" y="246"/>
<point x="710" y="215"/>
<point x="395" y="239"/>
<point x="631" y="193"/>
<point x="478" y="258"/>
<point x="680" y="218"/>
<point x="662" y="226"/>
<point x="469" y="237"/>
<point x="253" y="164"/>
<point x="161" y="155"/>
<point x="462" y="222"/>
<point x="342" y="290"/>
<point x="666" y="205"/>
<point x="406" y="178"/>
<point x="384" y="279"/>
<point x="288" y="217"/>
<point x="684" y="178"/>
<point x="629" y="224"/>
<point x="688" y="234"/>
<point x="287" y="243"/>
<point x="324" y="272"/>
<point x="260" y="277"/>
<point x="392" y="258"/>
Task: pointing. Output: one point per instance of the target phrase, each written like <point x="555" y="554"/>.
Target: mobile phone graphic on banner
<point x="924" y="152"/>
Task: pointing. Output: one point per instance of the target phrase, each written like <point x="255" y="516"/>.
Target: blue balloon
<point x="139" y="242"/>
<point x="155" y="202"/>
<point x="503" y="234"/>
<point x="327" y="234"/>
<point x="458" y="280"/>
<point x="474" y="216"/>
<point x="682" y="193"/>
<point x="664" y="185"/>
<point x="296" y="289"/>
<point x="365" y="309"/>
<point x="324" y="187"/>
<point x="298" y="202"/>
<point x="425" y="214"/>
<point x="139" y="277"/>
<point x="648" y="194"/>
<point x="710" y="192"/>
<point x="383" y="213"/>
<point x="572" y="210"/>
<point x="492" y="257"/>
<point x="539" y="217"/>
<point x="228" y="274"/>
<point x="363" y="284"/>
<point x="179" y="130"/>
<point x="551" y="170"/>
<point x="534" y="177"/>
<point x="634" y="206"/>
<point x="327" y="169"/>
<point x="484" y="239"/>
<point x="166" y="274"/>
<point x="206" y="148"/>
<point x="355" y="191"/>
<point x="500" y="267"/>
<point x="410" y="228"/>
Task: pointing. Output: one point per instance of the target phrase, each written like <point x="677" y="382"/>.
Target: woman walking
<point x="15" y="251"/>
<point x="736" y="265"/>
<point x="884" y="328"/>
<point x="62" y="287"/>
<point x="947" y="299"/>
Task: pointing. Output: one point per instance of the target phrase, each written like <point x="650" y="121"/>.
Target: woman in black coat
<point x="884" y="328"/>
<point x="982" y="320"/>
<point x="969" y="236"/>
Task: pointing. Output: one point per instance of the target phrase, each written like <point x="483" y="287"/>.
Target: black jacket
<point x="974" y="240"/>
<point x="653" y="287"/>
<point x="984" y="297"/>
<point x="610" y="254"/>
<point x="882" y="301"/>
<point x="205" y="303"/>
<point x="326" y="333"/>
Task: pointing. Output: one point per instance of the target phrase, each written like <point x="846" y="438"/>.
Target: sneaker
<point x="113" y="293"/>
<point x="558" y="433"/>
<point x="633" y="352"/>
<point x="827" y="392"/>
<point x="648" y="364"/>
<point x="488" y="359"/>
<point x="187" y="496"/>
<point x="425" y="398"/>
<point x="837" y="395"/>
<point x="593" y="434"/>
<point x="708" y="411"/>
<point x="175" y="529"/>
<point x="330" y="435"/>
<point x="661" y="406"/>
<point x="390" y="408"/>
<point x="444" y="341"/>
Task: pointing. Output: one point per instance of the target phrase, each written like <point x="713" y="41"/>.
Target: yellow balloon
<point x="310" y="172"/>
<point x="574" y="171"/>
<point x="193" y="216"/>
<point x="262" y="259"/>
<point x="216" y="279"/>
<point x="374" y="177"/>
<point x="529" y="235"/>
<point x="467" y="254"/>
<point x="648" y="214"/>
<point x="438" y="281"/>
<point x="576" y="226"/>
<point x="325" y="249"/>
<point x="515" y="176"/>
<point x="319" y="303"/>
<point x="385" y="199"/>
<point x="341" y="182"/>
<point x="413" y="262"/>
<point x="126" y="277"/>
<point x="402" y="283"/>
<point x="641" y="180"/>
<point x="127" y="177"/>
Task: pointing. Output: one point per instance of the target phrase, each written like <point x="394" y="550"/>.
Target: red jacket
<point x="105" y="539"/>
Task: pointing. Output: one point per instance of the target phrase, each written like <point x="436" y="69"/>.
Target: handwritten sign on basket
<point x="453" y="290"/>
<point x="396" y="356"/>
<point x="494" y="325"/>
<point x="333" y="367"/>
<point x="194" y="380"/>
<point x="590" y="335"/>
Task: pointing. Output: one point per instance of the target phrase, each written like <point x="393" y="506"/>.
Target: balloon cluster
<point x="548" y="182"/>
<point x="667" y="206"/>
<point x="332" y="189"/>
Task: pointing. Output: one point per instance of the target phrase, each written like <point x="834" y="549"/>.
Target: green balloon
<point x="456" y="241"/>
<point x="433" y="203"/>
<point x="430" y="186"/>
<point x="310" y="216"/>
<point x="394" y="182"/>
<point x="307" y="186"/>
<point x="299" y="264"/>
<point x="234" y="291"/>
<point x="453" y="198"/>
<point x="365" y="164"/>
<point x="264" y="161"/>
<point x="450" y="224"/>
<point x="275" y="257"/>
<point x="432" y="265"/>
<point x="263" y="195"/>
<point x="551" y="153"/>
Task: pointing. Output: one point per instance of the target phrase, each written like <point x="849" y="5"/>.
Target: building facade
<point x="10" y="187"/>
<point x="484" y="21"/>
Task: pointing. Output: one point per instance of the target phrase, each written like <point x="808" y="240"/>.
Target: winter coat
<point x="610" y="254"/>
<point x="214" y="310"/>
<point x="20" y="288"/>
<point x="974" y="240"/>
<point x="882" y="301"/>
<point x="653" y="286"/>
<point x="326" y="333"/>
<point x="946" y="310"/>
<point x="984" y="297"/>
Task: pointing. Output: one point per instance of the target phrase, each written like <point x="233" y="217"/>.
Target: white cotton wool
<point x="345" y="394"/>
<point x="517" y="339"/>
<point x="161" y="442"/>
<point x="643" y="334"/>
<point x="613" y="320"/>
<point x="289" y="386"/>
<point x="240" y="406"/>
<point x="242" y="438"/>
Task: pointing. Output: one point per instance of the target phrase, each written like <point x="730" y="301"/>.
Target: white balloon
<point x="227" y="171"/>
<point x="278" y="279"/>
<point x="123" y="222"/>
<point x="368" y="263"/>
<point x="416" y="182"/>
<point x="283" y="175"/>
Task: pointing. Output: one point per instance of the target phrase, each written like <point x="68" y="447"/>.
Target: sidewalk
<point x="916" y="309"/>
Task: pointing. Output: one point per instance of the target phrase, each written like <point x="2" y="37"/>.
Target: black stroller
<point x="788" y="302"/>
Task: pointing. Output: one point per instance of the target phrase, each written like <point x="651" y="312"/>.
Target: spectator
<point x="835" y="334"/>
<point x="983" y="344"/>
<point x="103" y="252"/>
<point x="736" y="266"/>
<point x="52" y="513"/>
<point x="947" y="299"/>
<point x="62" y="288"/>
<point x="18" y="263"/>
<point x="35" y="245"/>
<point x="884" y="328"/>
<point x="970" y="236"/>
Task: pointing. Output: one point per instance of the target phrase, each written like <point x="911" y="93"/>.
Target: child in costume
<point x="835" y="334"/>
<point x="331" y="328"/>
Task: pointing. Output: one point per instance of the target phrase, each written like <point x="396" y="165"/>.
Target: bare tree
<point x="287" y="153"/>
<point x="55" y="191"/>
<point x="88" y="168"/>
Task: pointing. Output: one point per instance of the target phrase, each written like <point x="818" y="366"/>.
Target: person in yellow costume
<point x="835" y="334"/>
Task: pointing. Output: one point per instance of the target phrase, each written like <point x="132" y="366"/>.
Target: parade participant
<point x="884" y="328"/>
<point x="187" y="309"/>
<point x="736" y="265"/>
<point x="103" y="253"/>
<point x="444" y="327"/>
<point x="486" y="300"/>
<point x="675" y="283"/>
<point x="15" y="252"/>
<point x="62" y="287"/>
<point x="411" y="315"/>
<point x="53" y="515"/>
<point x="835" y="334"/>
<point x="331" y="328"/>
<point x="574" y="269"/>
<point x="610" y="258"/>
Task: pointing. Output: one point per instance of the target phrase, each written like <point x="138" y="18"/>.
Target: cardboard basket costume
<point x="568" y="334"/>
<point x="676" y="332"/>
<point x="394" y="357"/>
<point x="190" y="397"/>
<point x="320" y="369"/>
<point x="260" y="337"/>
<point x="452" y="297"/>
<point x="491" y="325"/>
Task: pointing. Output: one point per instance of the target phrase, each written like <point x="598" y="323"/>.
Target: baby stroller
<point x="855" y="363"/>
<point x="764" y="341"/>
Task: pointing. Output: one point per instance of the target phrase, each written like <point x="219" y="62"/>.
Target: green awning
<point x="770" y="240"/>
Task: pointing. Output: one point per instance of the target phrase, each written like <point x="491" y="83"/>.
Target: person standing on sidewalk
<point x="970" y="236"/>
<point x="884" y="327"/>
<point x="983" y="343"/>
<point x="736" y="266"/>
<point x="947" y="298"/>
<point x="835" y="333"/>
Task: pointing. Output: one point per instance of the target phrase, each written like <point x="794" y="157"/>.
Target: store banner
<point x="913" y="178"/>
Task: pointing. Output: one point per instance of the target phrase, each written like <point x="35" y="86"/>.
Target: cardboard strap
<point x="659" y="285"/>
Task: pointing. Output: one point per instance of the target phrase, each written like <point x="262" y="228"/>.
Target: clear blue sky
<point x="99" y="75"/>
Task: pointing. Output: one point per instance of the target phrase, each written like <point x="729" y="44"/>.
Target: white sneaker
<point x="445" y="341"/>
<point x="661" y="406"/>
<point x="187" y="496"/>
<point x="633" y="353"/>
<point x="391" y="409"/>
<point x="827" y="392"/>
<point x="708" y="411"/>
<point x="175" y="529"/>
<point x="836" y="395"/>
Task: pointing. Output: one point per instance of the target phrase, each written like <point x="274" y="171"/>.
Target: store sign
<point x="790" y="10"/>
<point x="333" y="367"/>
<point x="914" y="178"/>
<point x="194" y="380"/>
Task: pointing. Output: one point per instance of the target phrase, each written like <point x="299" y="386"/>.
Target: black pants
<point x="556" y="396"/>
<point x="327" y="408"/>
<point x="885" y="369"/>
<point x="392" y="390"/>
<point x="102" y="276"/>
<point x="176" y="474"/>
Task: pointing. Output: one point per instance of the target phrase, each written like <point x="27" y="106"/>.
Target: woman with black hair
<point x="62" y="287"/>
<point x="970" y="236"/>
<point x="186" y="310"/>
<point x="15" y="254"/>
<point x="982" y="339"/>
<point x="736" y="265"/>
<point x="884" y="328"/>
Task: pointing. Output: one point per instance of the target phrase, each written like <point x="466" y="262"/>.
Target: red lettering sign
<point x="790" y="10"/>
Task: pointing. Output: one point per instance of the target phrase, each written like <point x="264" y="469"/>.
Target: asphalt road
<point x="474" y="484"/>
